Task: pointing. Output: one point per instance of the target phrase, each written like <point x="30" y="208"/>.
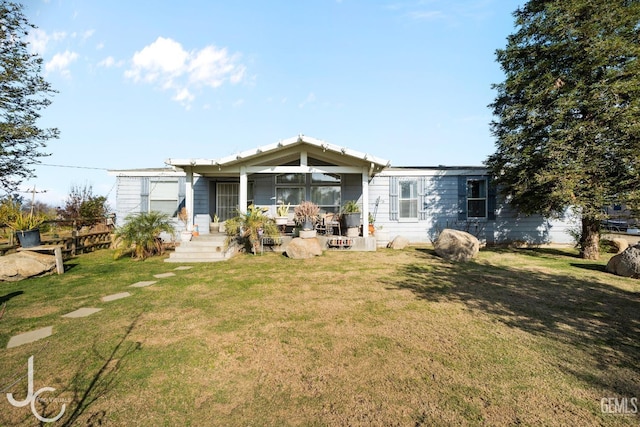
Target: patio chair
<point x="329" y="222"/>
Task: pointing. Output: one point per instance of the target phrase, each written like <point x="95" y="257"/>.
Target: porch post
<point x="365" y="202"/>
<point x="188" y="197"/>
<point x="243" y="190"/>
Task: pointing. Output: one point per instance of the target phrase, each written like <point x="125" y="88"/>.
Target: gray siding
<point x="441" y="208"/>
<point x="263" y="189"/>
<point x="200" y="196"/>
<point x="443" y="212"/>
<point x="128" y="190"/>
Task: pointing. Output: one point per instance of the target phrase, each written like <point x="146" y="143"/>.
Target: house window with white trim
<point x="290" y="188"/>
<point x="163" y="197"/>
<point x="325" y="191"/>
<point x="408" y="199"/>
<point x="476" y="198"/>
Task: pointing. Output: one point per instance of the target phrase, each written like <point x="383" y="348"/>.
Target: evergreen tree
<point x="23" y="93"/>
<point x="568" y="112"/>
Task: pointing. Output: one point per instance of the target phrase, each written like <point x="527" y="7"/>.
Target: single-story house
<point x="415" y="202"/>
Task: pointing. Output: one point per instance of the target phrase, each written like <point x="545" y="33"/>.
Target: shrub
<point x="249" y="227"/>
<point x="142" y="230"/>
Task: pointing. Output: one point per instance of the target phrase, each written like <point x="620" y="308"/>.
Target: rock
<point x="20" y="265"/>
<point x="399" y="242"/>
<point x="619" y="244"/>
<point x="303" y="248"/>
<point x="626" y="263"/>
<point x="455" y="245"/>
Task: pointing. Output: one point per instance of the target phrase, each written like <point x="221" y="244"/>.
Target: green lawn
<point x="518" y="337"/>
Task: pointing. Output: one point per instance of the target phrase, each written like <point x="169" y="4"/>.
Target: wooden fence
<point x="75" y="244"/>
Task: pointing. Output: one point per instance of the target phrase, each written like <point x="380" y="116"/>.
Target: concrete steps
<point x="203" y="248"/>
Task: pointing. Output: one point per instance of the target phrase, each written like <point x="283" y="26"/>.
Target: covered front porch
<point x="286" y="172"/>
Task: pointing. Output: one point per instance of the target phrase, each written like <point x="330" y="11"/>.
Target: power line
<point x="72" y="167"/>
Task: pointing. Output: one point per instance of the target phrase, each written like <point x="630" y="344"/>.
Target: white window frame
<point x="164" y="196"/>
<point x="413" y="198"/>
<point x="297" y="186"/>
<point x="337" y="184"/>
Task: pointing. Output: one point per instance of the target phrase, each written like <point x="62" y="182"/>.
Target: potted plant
<point x="307" y="215"/>
<point x="372" y="228"/>
<point x="351" y="214"/>
<point x="250" y="227"/>
<point x="214" y="227"/>
<point x="282" y="214"/>
<point x="27" y="228"/>
<point x="185" y="234"/>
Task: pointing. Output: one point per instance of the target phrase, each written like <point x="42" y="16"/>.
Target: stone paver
<point x="143" y="284"/>
<point x="31" y="336"/>
<point x="115" y="296"/>
<point x="163" y="275"/>
<point x="82" y="312"/>
<point x="184" y="267"/>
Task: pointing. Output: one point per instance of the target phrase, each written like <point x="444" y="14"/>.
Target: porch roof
<point x="271" y="154"/>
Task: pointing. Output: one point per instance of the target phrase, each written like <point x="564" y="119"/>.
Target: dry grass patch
<point x="530" y="337"/>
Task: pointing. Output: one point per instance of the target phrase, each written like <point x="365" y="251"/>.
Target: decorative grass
<point x="517" y="337"/>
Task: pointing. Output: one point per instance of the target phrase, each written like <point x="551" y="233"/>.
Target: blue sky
<point x="142" y="81"/>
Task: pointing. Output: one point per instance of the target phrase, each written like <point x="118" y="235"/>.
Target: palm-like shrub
<point x="142" y="231"/>
<point x="250" y="226"/>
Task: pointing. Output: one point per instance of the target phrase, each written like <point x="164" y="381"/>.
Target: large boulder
<point x="456" y="245"/>
<point x="303" y="248"/>
<point x="399" y="242"/>
<point x="619" y="244"/>
<point x="626" y="263"/>
<point x="20" y="265"/>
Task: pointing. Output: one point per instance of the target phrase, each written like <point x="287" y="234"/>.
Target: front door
<point x="227" y="200"/>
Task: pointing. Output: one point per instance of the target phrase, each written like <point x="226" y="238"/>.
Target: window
<point x="322" y="189"/>
<point x="325" y="191"/>
<point x="408" y="199"/>
<point x="290" y="188"/>
<point x="163" y="197"/>
<point x="476" y="198"/>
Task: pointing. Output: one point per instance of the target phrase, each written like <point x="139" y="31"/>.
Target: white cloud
<point x="238" y="103"/>
<point x="184" y="95"/>
<point x="311" y="98"/>
<point x="110" y="62"/>
<point x="167" y="65"/>
<point x="38" y="40"/>
<point x="426" y="15"/>
<point x="61" y="62"/>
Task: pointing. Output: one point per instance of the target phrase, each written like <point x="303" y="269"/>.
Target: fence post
<point x="74" y="242"/>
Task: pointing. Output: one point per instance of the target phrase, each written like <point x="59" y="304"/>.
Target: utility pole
<point x="33" y="197"/>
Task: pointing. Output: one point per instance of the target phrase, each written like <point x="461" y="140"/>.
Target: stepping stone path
<point x="28" y="337"/>
<point x="45" y="332"/>
<point x="114" y="297"/>
<point x="82" y="312"/>
<point x="143" y="284"/>
<point x="163" y="275"/>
